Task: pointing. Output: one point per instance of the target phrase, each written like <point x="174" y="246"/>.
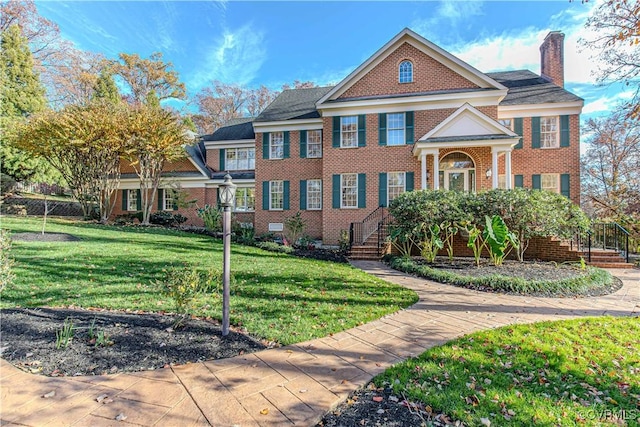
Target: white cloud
<point x="602" y="104"/>
<point x="234" y="57"/>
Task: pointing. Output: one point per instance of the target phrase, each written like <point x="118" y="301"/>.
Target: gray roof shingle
<point x="526" y="87"/>
<point x="235" y="129"/>
<point x="294" y="104"/>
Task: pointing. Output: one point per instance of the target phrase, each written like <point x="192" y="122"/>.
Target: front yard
<point x="275" y="297"/>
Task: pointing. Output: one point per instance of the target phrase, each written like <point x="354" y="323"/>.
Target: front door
<point x="456" y="179"/>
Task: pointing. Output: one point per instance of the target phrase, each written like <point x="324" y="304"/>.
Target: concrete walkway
<point x="293" y="385"/>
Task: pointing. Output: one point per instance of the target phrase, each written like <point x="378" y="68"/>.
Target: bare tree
<point x="258" y="99"/>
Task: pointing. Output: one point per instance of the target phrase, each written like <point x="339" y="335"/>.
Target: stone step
<point x="620" y="264"/>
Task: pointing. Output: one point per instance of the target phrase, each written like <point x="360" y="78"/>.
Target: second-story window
<point x="349" y="131"/>
<point x="276" y="145"/>
<point x="549" y="132"/>
<point x="240" y="159"/>
<point x="314" y="143"/>
<point x="395" y="129"/>
<point x="405" y="72"/>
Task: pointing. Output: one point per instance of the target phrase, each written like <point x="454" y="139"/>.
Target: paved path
<point x="293" y="385"/>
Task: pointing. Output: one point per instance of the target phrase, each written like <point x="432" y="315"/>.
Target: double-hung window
<point x="549" y="132"/>
<point x="276" y="145"/>
<point x="276" y="195"/>
<point x="168" y="196"/>
<point x="395" y="129"/>
<point x="550" y="182"/>
<point x="349" y="190"/>
<point x="396" y="184"/>
<point x="314" y="143"/>
<point x="245" y="199"/>
<point x="240" y="159"/>
<point x="132" y="200"/>
<point x="349" y="131"/>
<point x="314" y="194"/>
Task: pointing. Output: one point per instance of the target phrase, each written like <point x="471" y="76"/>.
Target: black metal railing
<point x="609" y="236"/>
<point x="359" y="232"/>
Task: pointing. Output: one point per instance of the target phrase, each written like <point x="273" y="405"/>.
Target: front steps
<point x="606" y="259"/>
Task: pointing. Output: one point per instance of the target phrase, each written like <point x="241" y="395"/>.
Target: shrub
<point x="128" y="218"/>
<point x="6" y="262"/>
<point x="295" y="226"/>
<point x="212" y="217"/>
<point x="167" y="219"/>
<point x="244" y="235"/>
<point x="276" y="247"/>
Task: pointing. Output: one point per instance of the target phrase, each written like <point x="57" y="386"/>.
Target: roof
<point x="234" y="175"/>
<point x="526" y="87"/>
<point x="197" y="153"/>
<point x="294" y="104"/>
<point x="469" y="138"/>
<point x="234" y="130"/>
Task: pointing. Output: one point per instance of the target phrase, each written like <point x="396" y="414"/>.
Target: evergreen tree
<point x="106" y="89"/>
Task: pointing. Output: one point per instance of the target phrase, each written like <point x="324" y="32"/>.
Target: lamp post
<point x="227" y="199"/>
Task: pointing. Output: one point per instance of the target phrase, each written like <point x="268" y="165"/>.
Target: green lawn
<point x="579" y="372"/>
<point x="274" y="296"/>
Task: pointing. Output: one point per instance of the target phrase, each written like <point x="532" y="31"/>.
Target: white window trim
<point x="237" y="150"/>
<point x="166" y="191"/>
<point x="271" y="145"/>
<point x="404" y="130"/>
<point x="341" y="132"/>
<point x="388" y="186"/>
<point x="342" y="187"/>
<point x="245" y="199"/>
<point x="271" y="194"/>
<point x="319" y="131"/>
<point x="308" y="193"/>
<point x="557" y="176"/>
<point x="510" y="127"/>
<point x="400" y="73"/>
<point x="129" y="199"/>
<point x="557" y="132"/>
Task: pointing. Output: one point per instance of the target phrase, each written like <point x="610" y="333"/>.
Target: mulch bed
<point x="135" y="342"/>
<point x="46" y="237"/>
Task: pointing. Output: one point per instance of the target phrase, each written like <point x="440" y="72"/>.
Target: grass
<point x="579" y="372"/>
<point x="582" y="284"/>
<point x="274" y="296"/>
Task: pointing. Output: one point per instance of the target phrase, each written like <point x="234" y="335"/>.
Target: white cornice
<point x="481" y="118"/>
<point x="535" y="110"/>
<point x="414" y="103"/>
<point x="287" y="125"/>
<point x="238" y="143"/>
<point x="183" y="181"/>
<point x="214" y="183"/>
<point x="422" y="147"/>
<point x="422" y="44"/>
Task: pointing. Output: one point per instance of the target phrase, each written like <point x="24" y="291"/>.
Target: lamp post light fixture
<point x="227" y="194"/>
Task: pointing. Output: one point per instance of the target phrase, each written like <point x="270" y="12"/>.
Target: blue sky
<point x="272" y="43"/>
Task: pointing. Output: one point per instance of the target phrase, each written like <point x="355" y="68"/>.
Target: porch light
<point x="488" y="173"/>
<point x="227" y="192"/>
<point x="227" y="199"/>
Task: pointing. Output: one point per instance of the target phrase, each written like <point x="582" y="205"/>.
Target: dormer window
<point x="405" y="72"/>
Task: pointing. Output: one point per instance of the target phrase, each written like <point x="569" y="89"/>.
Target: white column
<point x="494" y="168"/>
<point x="507" y="169"/>
<point x="436" y="170"/>
<point x="423" y="171"/>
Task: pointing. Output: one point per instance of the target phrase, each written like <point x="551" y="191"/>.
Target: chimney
<point x="552" y="58"/>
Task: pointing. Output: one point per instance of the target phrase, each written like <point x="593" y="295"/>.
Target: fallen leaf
<point x="265" y="411"/>
<point x="50" y="394"/>
<point x="121" y="417"/>
<point x="101" y="398"/>
<point x="377" y="399"/>
<point x="485" y="422"/>
<point x="393" y="399"/>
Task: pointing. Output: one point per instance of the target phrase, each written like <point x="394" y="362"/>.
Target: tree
<point x="146" y="76"/>
<point x="218" y="105"/>
<point x="258" y="99"/>
<point x="297" y="84"/>
<point x="105" y="88"/>
<point x="611" y="168"/>
<point x="615" y="29"/>
<point x="152" y="137"/>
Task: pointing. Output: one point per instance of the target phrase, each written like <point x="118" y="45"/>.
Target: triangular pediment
<point x="435" y="70"/>
<point x="467" y="121"/>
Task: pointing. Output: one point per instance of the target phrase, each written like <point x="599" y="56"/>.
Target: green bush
<point x="212" y="217"/>
<point x="128" y="218"/>
<point x="276" y="247"/>
<point x="6" y="262"/>
<point x="594" y="278"/>
<point x="167" y="219"/>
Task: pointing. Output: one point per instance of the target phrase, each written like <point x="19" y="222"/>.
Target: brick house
<point x="412" y="116"/>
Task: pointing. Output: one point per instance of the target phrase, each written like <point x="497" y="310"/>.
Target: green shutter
<point x="265" y="145"/>
<point x="285" y="145"/>
<point x="303" y="144"/>
<point x="335" y="191"/>
<point x="362" y="133"/>
<point x="265" y="195"/>
<point x="174" y="206"/>
<point x="139" y="201"/>
<point x="222" y="159"/>
<point x="408" y="183"/>
<point x="285" y="195"/>
<point x="382" y="189"/>
<point x="517" y="128"/>
<point x="362" y="190"/>
<point x="535" y="132"/>
<point x="518" y="181"/>
<point x="382" y="129"/>
<point x="303" y="194"/>
<point x="564" y="131"/>
<point x="409" y="127"/>
<point x="536" y="182"/>
<point x="336" y="132"/>
<point x="565" y="186"/>
<point x="160" y="197"/>
<point x="125" y="197"/>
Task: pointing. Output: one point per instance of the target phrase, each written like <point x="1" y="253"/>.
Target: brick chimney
<point x="552" y="58"/>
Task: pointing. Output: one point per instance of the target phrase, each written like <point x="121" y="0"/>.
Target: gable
<point x="467" y="121"/>
<point x="429" y="75"/>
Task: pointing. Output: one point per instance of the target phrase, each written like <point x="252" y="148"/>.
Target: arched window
<point x="405" y="72"/>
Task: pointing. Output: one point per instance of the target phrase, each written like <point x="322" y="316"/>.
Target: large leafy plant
<point x="498" y="239"/>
